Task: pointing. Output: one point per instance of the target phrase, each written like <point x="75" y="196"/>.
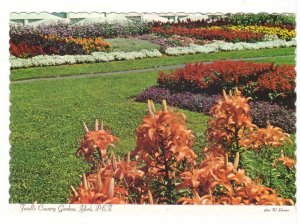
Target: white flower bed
<point x="225" y="46"/>
<point x="49" y="60"/>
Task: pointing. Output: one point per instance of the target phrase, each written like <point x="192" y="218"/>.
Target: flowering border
<point x="50" y="60"/>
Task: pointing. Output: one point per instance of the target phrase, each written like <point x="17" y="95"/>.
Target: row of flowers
<point x="212" y="33"/>
<point x="263" y="81"/>
<point x="31" y="45"/>
<point x="87" y="30"/>
<point x="284" y="34"/>
<point x="228" y="33"/>
<point x="50" y="60"/>
<point x="217" y="46"/>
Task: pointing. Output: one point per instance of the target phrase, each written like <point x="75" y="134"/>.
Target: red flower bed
<point x="258" y="80"/>
<point x="210" y="34"/>
<point x="23" y="50"/>
<point x="280" y="80"/>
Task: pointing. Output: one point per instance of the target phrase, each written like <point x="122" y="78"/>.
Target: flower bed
<point x="254" y="79"/>
<point x="67" y="39"/>
<point x="225" y="46"/>
<point x="284" y="34"/>
<point x="25" y="46"/>
<point x="50" y="60"/>
<point x="88" y="30"/>
<point x="214" y="33"/>
<point x="261" y="112"/>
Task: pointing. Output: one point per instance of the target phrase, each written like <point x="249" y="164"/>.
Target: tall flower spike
<point x="101" y="128"/>
<point x="85" y="127"/>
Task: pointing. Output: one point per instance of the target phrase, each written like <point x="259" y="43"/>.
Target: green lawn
<point x="131" y="44"/>
<point x="66" y="70"/>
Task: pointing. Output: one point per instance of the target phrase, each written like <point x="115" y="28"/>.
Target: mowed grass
<point x="67" y="70"/>
<point x="46" y="126"/>
<point x="131" y="44"/>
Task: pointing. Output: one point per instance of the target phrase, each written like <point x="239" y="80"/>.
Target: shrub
<point x="263" y="19"/>
<point x="278" y="20"/>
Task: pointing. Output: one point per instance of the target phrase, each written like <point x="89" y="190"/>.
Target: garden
<point x="186" y="112"/>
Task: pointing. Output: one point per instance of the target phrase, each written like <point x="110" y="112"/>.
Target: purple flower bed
<point x="261" y="112"/>
<point x="194" y="102"/>
<point x="264" y="112"/>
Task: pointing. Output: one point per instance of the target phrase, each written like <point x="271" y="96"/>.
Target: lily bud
<point x="74" y="191"/>
<point x="113" y="161"/>
<point x="150" y="108"/>
<point x="99" y="182"/>
<point x="84" y="180"/>
<point x="236" y="160"/>
<point x="128" y="158"/>
<point x="226" y="160"/>
<point x="224" y="94"/>
<point x="150" y="198"/>
<point x="153" y="106"/>
<point x="85" y="128"/>
<point x="164" y="106"/>
<point x="96" y="125"/>
<point x="111" y="188"/>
